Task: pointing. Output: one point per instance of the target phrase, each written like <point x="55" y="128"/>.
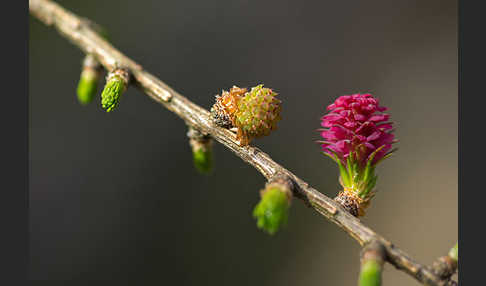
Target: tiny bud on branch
<point x="446" y="266"/>
<point x="454" y="252"/>
<point x="202" y="150"/>
<point x="272" y="210"/>
<point x="88" y="82"/>
<point x="116" y="84"/>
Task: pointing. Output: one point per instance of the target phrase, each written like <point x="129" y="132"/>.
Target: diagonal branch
<point x="82" y="34"/>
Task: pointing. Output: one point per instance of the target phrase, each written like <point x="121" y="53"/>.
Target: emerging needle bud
<point x="446" y="266"/>
<point x="372" y="260"/>
<point x="271" y="212"/>
<point x="454" y="252"/>
<point x="202" y="150"/>
<point x="88" y="82"/>
<point x="116" y="84"/>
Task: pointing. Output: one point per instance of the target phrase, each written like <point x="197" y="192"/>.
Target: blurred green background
<point x="114" y="198"/>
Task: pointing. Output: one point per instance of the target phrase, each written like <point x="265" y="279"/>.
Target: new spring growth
<point x="88" y="82"/>
<point x="454" y="253"/>
<point x="116" y="84"/>
<point x="253" y="113"/>
<point x="372" y="260"/>
<point x="271" y="212"/>
<point x="357" y="136"/>
<point x="91" y="72"/>
<point x="202" y="151"/>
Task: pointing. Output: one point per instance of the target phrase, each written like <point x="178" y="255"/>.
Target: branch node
<point x="283" y="182"/>
<point x="374" y="250"/>
<point x="446" y="266"/>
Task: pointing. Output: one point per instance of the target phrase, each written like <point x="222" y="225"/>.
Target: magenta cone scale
<point x="357" y="125"/>
<point x="357" y="135"/>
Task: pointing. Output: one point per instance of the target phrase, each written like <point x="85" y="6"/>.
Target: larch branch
<point x="82" y="33"/>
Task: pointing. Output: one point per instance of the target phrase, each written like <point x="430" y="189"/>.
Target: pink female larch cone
<point x="357" y="136"/>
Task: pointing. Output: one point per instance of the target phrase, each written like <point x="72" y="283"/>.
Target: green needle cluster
<point x="87" y="86"/>
<point x="454" y="253"/>
<point x="272" y="210"/>
<point x="88" y="82"/>
<point x="202" y="150"/>
<point x="203" y="160"/>
<point x="116" y="84"/>
<point x="370" y="274"/>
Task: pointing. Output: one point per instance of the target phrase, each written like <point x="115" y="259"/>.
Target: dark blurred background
<point x="115" y="200"/>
